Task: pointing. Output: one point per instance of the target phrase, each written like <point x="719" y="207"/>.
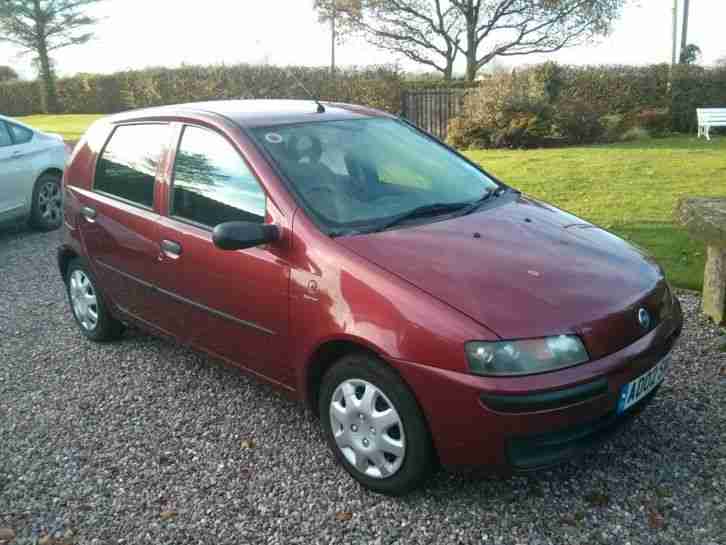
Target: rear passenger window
<point x="212" y="183"/>
<point x="21" y="135"/>
<point x="127" y="167"/>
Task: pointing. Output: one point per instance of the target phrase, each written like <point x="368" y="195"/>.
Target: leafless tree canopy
<point x="435" y="32"/>
<point x="42" y="26"/>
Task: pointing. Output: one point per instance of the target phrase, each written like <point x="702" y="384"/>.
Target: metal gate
<point x="431" y="109"/>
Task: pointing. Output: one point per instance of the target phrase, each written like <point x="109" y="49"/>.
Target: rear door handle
<point x="89" y="213"/>
<point x="171" y="248"/>
<point x="16" y="154"/>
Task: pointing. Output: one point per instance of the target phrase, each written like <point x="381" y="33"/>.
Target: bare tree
<point x="433" y="32"/>
<point x="506" y="28"/>
<point x="426" y="31"/>
<point x="43" y="26"/>
<point x="340" y="15"/>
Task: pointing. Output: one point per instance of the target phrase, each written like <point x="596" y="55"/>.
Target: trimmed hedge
<point x="550" y="104"/>
<point x="630" y="91"/>
<point x="379" y="87"/>
<point x="696" y="87"/>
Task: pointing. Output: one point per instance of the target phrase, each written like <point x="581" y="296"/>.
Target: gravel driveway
<point x="147" y="442"/>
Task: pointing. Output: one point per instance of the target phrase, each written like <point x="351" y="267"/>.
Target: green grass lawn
<point x="630" y="188"/>
<point x="71" y="127"/>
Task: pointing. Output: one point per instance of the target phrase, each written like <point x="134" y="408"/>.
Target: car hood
<point x="523" y="268"/>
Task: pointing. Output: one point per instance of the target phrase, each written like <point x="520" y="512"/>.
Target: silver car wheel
<point x="50" y="202"/>
<point x="84" y="300"/>
<point x="367" y="429"/>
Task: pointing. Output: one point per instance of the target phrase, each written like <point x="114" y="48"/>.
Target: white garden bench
<point x="710" y="117"/>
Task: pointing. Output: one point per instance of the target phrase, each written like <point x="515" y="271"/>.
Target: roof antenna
<point x="321" y="108"/>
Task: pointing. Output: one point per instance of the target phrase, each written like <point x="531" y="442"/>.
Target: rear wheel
<point x="374" y="426"/>
<point x="88" y="307"/>
<point x="47" y="206"/>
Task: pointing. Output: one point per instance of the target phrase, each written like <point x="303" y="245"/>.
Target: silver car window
<point x="5" y="139"/>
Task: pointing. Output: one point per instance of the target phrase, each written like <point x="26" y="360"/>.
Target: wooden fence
<point x="431" y="109"/>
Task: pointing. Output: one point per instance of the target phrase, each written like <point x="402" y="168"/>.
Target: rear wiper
<point x="427" y="210"/>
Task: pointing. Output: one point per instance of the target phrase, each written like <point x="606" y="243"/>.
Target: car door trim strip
<point x="182" y="299"/>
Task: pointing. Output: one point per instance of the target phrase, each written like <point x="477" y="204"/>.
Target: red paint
<point x="413" y="295"/>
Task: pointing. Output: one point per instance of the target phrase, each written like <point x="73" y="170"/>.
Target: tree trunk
<point x="48" y="77"/>
<point x="332" y="40"/>
<point x="674" y="59"/>
<point x="50" y="98"/>
<point x="684" y="31"/>
<point x="448" y="71"/>
<point x="471" y="67"/>
<point x="472" y="21"/>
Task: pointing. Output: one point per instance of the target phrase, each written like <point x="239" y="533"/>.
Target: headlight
<point x="525" y="357"/>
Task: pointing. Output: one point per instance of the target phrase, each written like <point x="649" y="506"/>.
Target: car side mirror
<point x="239" y="235"/>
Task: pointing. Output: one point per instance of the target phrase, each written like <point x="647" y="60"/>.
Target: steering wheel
<point x="364" y="178"/>
<point x="319" y="188"/>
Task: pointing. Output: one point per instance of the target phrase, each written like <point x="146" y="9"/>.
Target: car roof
<point x="13" y="120"/>
<point x="258" y="112"/>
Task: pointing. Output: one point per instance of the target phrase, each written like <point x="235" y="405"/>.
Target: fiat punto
<point x="426" y="311"/>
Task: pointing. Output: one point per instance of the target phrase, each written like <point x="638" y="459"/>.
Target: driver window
<point x="212" y="183"/>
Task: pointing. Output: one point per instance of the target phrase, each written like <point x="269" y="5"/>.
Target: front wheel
<point x="374" y="425"/>
<point x="46" y="212"/>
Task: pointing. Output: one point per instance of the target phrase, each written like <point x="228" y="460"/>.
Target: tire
<point x="88" y="306"/>
<point x="46" y="213"/>
<point x="401" y="454"/>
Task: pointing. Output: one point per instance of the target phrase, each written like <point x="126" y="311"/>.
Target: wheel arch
<point x="322" y="358"/>
<point x="330" y="351"/>
<point x="66" y="254"/>
<point x="50" y="170"/>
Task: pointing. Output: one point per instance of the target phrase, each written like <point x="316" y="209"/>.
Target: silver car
<point x="31" y="169"/>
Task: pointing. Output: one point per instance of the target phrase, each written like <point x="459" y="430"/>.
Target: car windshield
<point x="364" y="174"/>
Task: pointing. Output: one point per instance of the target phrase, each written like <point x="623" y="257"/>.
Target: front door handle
<point x="16" y="154"/>
<point x="89" y="213"/>
<point x="171" y="248"/>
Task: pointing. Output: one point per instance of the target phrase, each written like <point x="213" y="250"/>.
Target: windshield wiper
<point x="425" y="211"/>
<point x="488" y="194"/>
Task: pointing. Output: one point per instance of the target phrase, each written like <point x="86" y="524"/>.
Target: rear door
<point x="233" y="304"/>
<point x="120" y="220"/>
<point x="16" y="169"/>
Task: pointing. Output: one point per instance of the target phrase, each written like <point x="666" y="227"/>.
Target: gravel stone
<point x="98" y="441"/>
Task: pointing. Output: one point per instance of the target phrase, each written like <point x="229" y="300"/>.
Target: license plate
<point x="634" y="391"/>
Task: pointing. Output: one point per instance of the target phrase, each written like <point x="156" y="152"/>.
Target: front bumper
<point x="527" y="423"/>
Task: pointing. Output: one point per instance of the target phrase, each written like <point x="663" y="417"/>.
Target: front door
<point x="120" y="221"/>
<point x="235" y="304"/>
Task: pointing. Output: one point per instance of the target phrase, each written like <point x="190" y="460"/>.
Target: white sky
<point x="141" y="33"/>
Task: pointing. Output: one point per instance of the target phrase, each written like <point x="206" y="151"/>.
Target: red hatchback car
<point x="426" y="311"/>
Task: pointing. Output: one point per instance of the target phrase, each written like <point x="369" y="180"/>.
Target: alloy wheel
<point x="50" y="203"/>
<point x="84" y="300"/>
<point x="367" y="429"/>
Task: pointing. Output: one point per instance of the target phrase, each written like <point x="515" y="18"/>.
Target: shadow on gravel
<point x="18" y="232"/>
<point x="14" y="230"/>
<point x="640" y="452"/>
